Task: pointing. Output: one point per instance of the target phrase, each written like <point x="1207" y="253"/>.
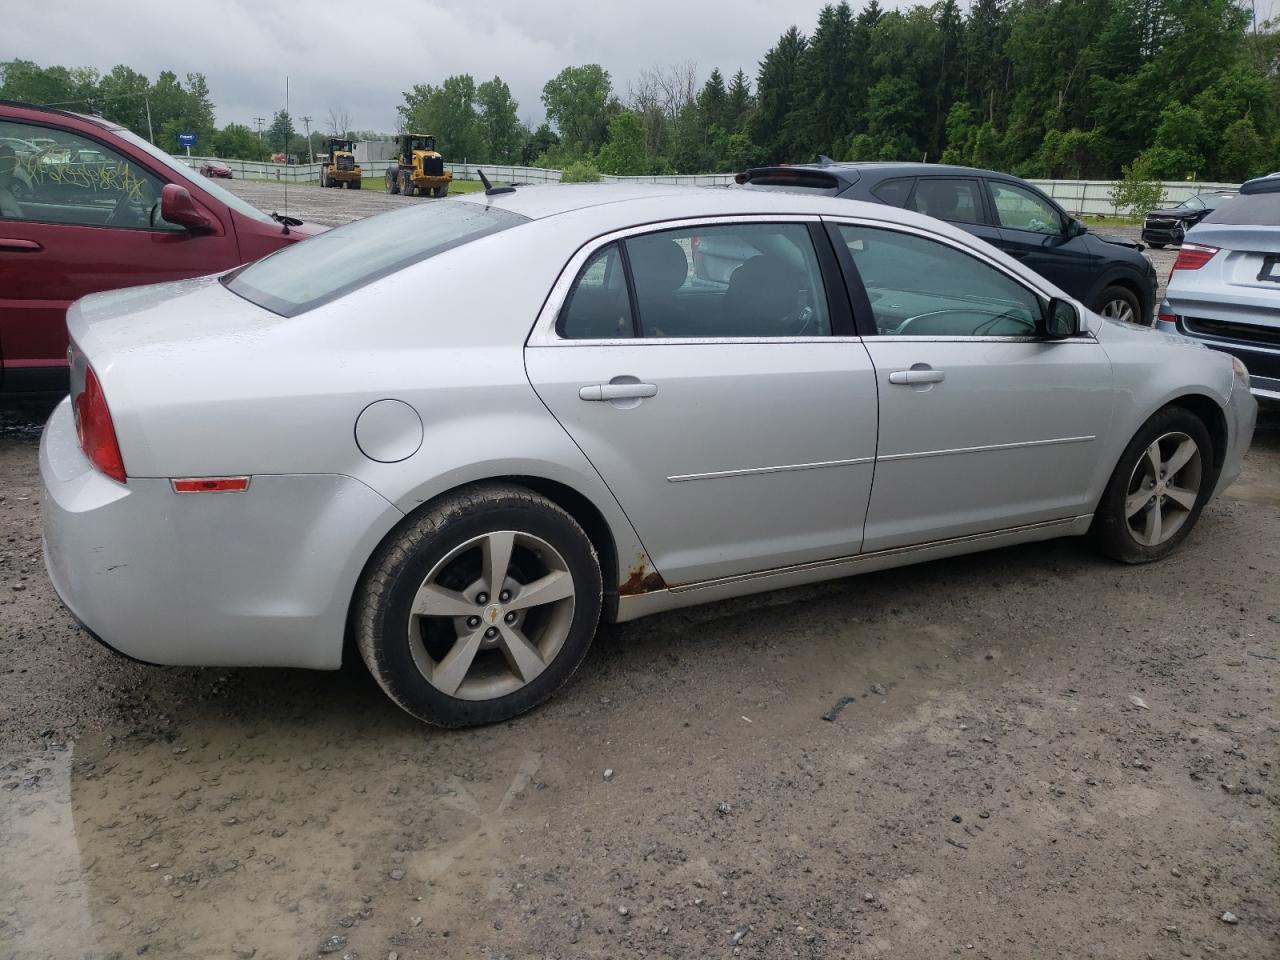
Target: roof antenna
<point x="288" y="123"/>
<point x="824" y="160"/>
<point x="490" y="189"/>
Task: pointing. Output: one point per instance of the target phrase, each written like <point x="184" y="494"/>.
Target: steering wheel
<point x="125" y="213"/>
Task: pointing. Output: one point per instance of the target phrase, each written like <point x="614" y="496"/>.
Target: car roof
<point x="22" y="108"/>
<point x="614" y="206"/>
<point x="851" y="170"/>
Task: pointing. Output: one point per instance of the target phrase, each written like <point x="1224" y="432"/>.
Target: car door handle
<point x="618" y="391"/>
<point x="19" y="246"/>
<point x="917" y="376"/>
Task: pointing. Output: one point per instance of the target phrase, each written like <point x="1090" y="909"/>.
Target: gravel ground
<point x="1043" y="755"/>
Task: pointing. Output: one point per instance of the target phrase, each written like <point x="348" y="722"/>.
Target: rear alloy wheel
<point x="1158" y="488"/>
<point x="480" y="608"/>
<point x="1120" y="303"/>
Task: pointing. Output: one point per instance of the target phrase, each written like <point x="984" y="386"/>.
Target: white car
<point x="465" y="433"/>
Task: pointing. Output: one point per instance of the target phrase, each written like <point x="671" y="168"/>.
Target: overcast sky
<point x="246" y="47"/>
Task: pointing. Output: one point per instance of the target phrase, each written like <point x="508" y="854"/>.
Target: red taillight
<point x="94" y="428"/>
<point x="1193" y="256"/>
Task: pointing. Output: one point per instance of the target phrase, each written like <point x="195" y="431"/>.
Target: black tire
<point x="1110" y="530"/>
<point x="393" y="184"/>
<point x="401" y="563"/>
<point x="357" y="184"/>
<point x="442" y="191"/>
<point x="1115" y="294"/>
<point x="406" y="185"/>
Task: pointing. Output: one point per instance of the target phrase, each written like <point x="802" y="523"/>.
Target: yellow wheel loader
<point x="339" y="167"/>
<point x="419" y="167"/>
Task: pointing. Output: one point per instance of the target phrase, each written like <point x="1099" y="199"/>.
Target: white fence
<point x="1093" y="197"/>
<point x="1080" y="197"/>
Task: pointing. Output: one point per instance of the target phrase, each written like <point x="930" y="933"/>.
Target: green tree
<point x="738" y="103"/>
<point x="624" y="153"/>
<point x="280" y="135"/>
<point x="236" y="142"/>
<point x="777" y="89"/>
<point x="500" y="126"/>
<point x="580" y="101"/>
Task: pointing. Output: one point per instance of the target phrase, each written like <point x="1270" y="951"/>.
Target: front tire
<point x="1158" y="489"/>
<point x="393" y="185"/>
<point x="480" y="607"/>
<point x="406" y="185"/>
<point x="1120" y="303"/>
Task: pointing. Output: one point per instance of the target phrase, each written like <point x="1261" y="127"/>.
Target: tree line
<point x="1147" y="89"/>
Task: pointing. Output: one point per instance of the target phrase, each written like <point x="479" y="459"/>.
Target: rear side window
<point x="323" y="268"/>
<point x="947" y="198"/>
<point x="717" y="280"/>
<point x="1255" y="210"/>
<point x="599" y="307"/>
<point x="894" y="192"/>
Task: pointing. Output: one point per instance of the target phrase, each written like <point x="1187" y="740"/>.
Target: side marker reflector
<point x="211" y="485"/>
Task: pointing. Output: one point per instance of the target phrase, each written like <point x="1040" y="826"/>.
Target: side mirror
<point x="176" y="206"/>
<point x="1060" y="320"/>
<point x="1076" y="229"/>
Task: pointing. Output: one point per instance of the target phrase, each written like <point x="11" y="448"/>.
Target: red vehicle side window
<point x="49" y="175"/>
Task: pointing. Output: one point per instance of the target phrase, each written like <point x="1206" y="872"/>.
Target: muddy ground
<point x="1046" y="756"/>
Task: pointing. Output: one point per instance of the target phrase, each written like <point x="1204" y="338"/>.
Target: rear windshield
<point x="325" y="267"/>
<point x="1259" y="209"/>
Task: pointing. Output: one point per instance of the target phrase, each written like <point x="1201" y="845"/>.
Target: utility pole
<point x="260" y="121"/>
<point x="311" y="153"/>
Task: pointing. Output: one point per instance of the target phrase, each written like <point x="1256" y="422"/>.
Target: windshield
<point x="204" y="183"/>
<point x="1192" y="203"/>
<point x="306" y="275"/>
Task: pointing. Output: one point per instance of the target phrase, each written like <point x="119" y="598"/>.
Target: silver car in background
<point x="583" y="427"/>
<point x="1224" y="288"/>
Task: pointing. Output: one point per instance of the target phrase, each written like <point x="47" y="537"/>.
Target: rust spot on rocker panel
<point x="641" y="580"/>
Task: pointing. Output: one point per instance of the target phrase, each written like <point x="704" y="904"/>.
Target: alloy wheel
<point x="491" y="615"/>
<point x="1163" y="489"/>
<point x="1118" y="309"/>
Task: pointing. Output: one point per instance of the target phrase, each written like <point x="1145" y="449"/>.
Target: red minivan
<point x="86" y="205"/>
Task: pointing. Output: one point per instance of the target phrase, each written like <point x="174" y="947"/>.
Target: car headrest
<point x="763" y="290"/>
<point x="658" y="265"/>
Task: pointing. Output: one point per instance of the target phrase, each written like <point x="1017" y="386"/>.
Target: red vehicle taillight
<point x="94" y="428"/>
<point x="1193" y="256"/>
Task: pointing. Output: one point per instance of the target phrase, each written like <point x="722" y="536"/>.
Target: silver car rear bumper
<point x="260" y="578"/>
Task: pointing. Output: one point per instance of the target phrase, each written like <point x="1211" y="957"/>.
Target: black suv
<point x="1111" y="276"/>
<point x="1163" y="227"/>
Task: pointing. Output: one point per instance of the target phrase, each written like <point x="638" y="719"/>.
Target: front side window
<point x="305" y="275"/>
<point x="1020" y="209"/>
<point x="49" y="175"/>
<point x="921" y="287"/>
<point x="947" y="198"/>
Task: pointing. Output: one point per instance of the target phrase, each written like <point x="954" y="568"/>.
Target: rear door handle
<point x="618" y="391"/>
<point x="917" y="376"/>
<point x="19" y="246"/>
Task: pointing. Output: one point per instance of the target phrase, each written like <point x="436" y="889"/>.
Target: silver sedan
<point x="464" y="434"/>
